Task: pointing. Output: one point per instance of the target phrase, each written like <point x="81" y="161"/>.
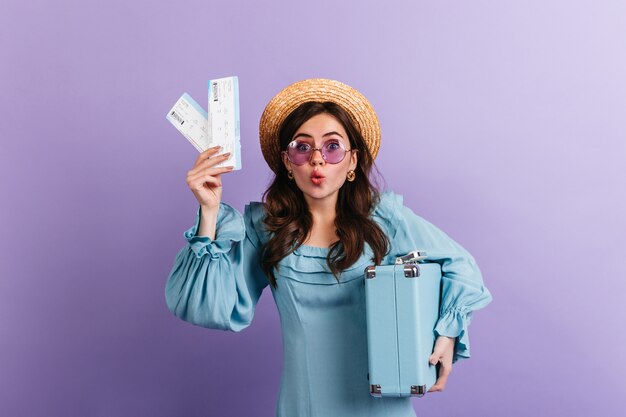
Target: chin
<point x="319" y="193"/>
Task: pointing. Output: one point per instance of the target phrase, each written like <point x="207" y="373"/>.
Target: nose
<point x="317" y="158"/>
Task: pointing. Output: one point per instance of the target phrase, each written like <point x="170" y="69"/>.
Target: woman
<point x="322" y="222"/>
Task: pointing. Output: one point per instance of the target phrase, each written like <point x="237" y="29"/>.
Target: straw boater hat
<point x="316" y="89"/>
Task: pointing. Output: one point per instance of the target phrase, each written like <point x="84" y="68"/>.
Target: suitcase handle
<point x="411" y="257"/>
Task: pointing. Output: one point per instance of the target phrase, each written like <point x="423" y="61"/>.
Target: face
<point x="320" y="129"/>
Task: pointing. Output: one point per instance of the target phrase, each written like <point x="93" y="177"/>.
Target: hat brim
<point x="316" y="89"/>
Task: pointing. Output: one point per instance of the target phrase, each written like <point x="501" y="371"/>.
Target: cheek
<point x="299" y="172"/>
<point x="301" y="177"/>
<point x="338" y="174"/>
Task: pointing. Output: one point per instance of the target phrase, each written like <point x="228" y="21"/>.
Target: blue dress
<point x="217" y="283"/>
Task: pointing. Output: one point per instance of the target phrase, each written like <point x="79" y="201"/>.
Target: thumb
<point x="434" y="358"/>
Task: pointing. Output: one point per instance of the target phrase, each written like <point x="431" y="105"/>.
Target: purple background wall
<point x="503" y="123"/>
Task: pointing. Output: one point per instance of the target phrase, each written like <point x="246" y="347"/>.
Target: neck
<point x="323" y="210"/>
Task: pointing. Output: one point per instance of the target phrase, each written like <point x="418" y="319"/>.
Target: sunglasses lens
<point x="299" y="153"/>
<point x="334" y="152"/>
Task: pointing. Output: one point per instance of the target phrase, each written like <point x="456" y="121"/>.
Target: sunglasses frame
<point x="312" y="150"/>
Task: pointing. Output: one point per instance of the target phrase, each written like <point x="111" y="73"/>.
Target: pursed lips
<point x="317" y="178"/>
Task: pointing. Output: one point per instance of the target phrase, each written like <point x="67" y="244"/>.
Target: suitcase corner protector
<point x="370" y="272"/>
<point x="418" y="390"/>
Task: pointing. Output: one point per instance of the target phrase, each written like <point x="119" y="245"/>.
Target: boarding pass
<point x="223" y="119"/>
<point x="191" y="120"/>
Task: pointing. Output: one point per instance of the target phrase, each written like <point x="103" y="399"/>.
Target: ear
<point x="354" y="160"/>
<point x="286" y="161"/>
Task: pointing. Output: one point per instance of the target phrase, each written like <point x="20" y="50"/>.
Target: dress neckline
<point x="312" y="250"/>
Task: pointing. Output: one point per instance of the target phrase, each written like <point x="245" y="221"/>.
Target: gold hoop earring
<point x="351" y="175"/>
<point x="290" y="174"/>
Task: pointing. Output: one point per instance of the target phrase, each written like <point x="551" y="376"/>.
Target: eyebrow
<point x="306" y="135"/>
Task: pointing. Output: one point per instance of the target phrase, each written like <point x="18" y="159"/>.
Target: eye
<point x="333" y="146"/>
<point x="302" y="147"/>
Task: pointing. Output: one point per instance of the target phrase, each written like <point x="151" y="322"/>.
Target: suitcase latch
<point x="411" y="257"/>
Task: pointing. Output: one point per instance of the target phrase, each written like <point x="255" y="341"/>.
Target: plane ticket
<point x="223" y="119"/>
<point x="191" y="120"/>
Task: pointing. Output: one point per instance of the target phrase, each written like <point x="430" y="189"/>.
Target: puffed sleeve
<point x="217" y="283"/>
<point x="463" y="289"/>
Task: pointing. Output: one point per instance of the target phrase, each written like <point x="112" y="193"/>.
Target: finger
<point x="210" y="162"/>
<point x="213" y="172"/>
<point x="434" y="358"/>
<point x="212" y="182"/>
<point x="192" y="176"/>
<point x="215" y="159"/>
<point x="198" y="181"/>
<point x="444" y="373"/>
<point x="435" y="386"/>
<point x="212" y="159"/>
<point x="206" y="154"/>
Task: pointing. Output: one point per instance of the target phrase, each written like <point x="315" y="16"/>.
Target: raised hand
<point x="205" y="181"/>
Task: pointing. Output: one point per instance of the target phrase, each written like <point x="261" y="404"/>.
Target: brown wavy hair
<point x="289" y="219"/>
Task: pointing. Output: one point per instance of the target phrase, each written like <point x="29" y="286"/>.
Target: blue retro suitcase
<point x="402" y="306"/>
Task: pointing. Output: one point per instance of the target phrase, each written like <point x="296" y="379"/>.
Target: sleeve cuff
<point x="454" y="323"/>
<point x="230" y="228"/>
